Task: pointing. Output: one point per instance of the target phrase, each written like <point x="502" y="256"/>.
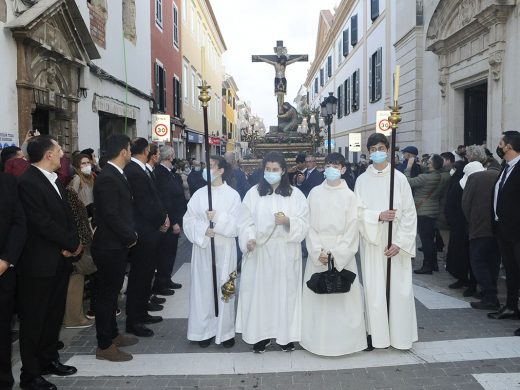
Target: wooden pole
<point x="205" y="97"/>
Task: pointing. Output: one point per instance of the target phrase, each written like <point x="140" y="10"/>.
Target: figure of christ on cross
<point x="280" y="62"/>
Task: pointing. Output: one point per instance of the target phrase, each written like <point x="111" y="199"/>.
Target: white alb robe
<point x="269" y="301"/>
<point x="373" y="191"/>
<point x="202" y="323"/>
<point x="333" y="324"/>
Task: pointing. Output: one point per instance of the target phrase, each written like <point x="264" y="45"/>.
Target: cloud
<point x="253" y="27"/>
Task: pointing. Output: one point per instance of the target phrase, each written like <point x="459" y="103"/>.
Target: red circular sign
<point x="384" y="125"/>
<point x="161" y="130"/>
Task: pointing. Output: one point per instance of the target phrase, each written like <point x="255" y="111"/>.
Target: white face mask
<point x="86" y="170"/>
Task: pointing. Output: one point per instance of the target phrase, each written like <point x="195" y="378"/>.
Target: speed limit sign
<point x="383" y="125"/>
<point x="160" y="128"/>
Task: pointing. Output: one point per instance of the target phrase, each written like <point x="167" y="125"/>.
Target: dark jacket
<point x="171" y="192"/>
<point x="50" y="226"/>
<point x="441" y="222"/>
<point x="113" y="211"/>
<point x="477" y="203"/>
<point x="508" y="209"/>
<point x="315" y="179"/>
<point x="416" y="168"/>
<point x="195" y="181"/>
<point x="12" y="220"/>
<point x="241" y="184"/>
<point x="426" y="192"/>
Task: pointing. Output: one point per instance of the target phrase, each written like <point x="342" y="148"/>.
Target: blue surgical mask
<point x="205" y="175"/>
<point x="332" y="173"/>
<point x="272" y="177"/>
<point x="378" y="157"/>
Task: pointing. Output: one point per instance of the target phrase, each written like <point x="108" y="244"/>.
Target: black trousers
<point x="7" y="299"/>
<point x="41" y="306"/>
<point x="426" y="229"/>
<point x="485" y="264"/>
<point x="143" y="259"/>
<point x="111" y="267"/>
<point x="510" y="252"/>
<point x="166" y="255"/>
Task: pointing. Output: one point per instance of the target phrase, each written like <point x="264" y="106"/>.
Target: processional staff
<point x="204" y="98"/>
<point x="394" y="119"/>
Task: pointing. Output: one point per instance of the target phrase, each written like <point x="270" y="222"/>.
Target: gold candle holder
<point x="204" y="95"/>
<point x="395" y="116"/>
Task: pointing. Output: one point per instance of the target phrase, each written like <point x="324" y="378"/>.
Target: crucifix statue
<point x="280" y="62"/>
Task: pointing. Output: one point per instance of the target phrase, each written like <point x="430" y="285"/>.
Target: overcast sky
<point x="253" y="27"/>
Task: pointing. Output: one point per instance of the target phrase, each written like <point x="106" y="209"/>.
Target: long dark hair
<point x="228" y="176"/>
<point x="284" y="188"/>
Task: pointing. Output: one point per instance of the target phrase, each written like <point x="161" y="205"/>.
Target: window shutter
<point x="322" y="76"/>
<point x="164" y="107"/>
<point x="316" y="87"/>
<point x="354" y="30"/>
<point x="329" y="66"/>
<point x="374" y="9"/>
<point x="379" y="73"/>
<point x="371" y="73"/>
<point x="340" y="113"/>
<point x="345" y="43"/>
<point x="357" y="89"/>
<point x="157" y="90"/>
<point x="347" y="96"/>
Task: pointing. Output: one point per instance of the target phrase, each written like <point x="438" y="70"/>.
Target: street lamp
<point x="328" y="110"/>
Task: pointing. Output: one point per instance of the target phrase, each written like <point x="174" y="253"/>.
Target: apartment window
<point x="185" y="81"/>
<point x="345" y="43"/>
<point x="158" y="13"/>
<point x="192" y="17"/>
<point x="374" y="9"/>
<point x="316" y="87"/>
<point x="355" y="91"/>
<point x="175" y="26"/>
<point x="160" y="88"/>
<point x="184" y="11"/>
<point x="339" y="52"/>
<point x="340" y="101"/>
<point x="193" y="89"/>
<point x="354" y="30"/>
<point x="329" y="66"/>
<point x="322" y="76"/>
<point x="374" y="76"/>
<point x="346" y="99"/>
<point x="177" y="98"/>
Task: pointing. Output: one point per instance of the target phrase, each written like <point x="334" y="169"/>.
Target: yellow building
<point x="201" y="37"/>
<point x="229" y="112"/>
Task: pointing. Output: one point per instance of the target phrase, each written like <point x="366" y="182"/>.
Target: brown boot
<point x="113" y="354"/>
<point x="124" y="340"/>
<point x="74" y="317"/>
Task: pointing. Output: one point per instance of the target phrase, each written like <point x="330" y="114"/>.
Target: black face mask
<point x="500" y="152"/>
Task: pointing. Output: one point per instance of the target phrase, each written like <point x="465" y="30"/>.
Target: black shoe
<point x="38" y="383"/>
<point x="229" y="343"/>
<point x="205" y="343"/>
<point x="288" y="347"/>
<point x="485" y="305"/>
<point x="423" y="271"/>
<point x="163" y="291"/>
<point x="517" y="332"/>
<point x="504" y="313"/>
<point x="154" y="307"/>
<point x="174" y="285"/>
<point x="152" y="319"/>
<point x="469" y="291"/>
<point x="158" y="300"/>
<point x="261" y="346"/>
<point x="60" y="345"/>
<point x="370" y="347"/>
<point x="458" y="284"/>
<point x="139" y="330"/>
<point x="59" y="369"/>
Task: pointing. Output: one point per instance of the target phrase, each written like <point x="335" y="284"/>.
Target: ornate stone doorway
<point x="475" y="114"/>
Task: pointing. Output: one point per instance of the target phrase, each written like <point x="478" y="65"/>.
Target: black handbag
<point x="331" y="281"/>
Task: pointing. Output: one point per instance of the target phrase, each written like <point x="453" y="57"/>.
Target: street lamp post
<point x="328" y="110"/>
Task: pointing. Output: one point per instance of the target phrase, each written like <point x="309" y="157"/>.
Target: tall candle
<point x="203" y="59"/>
<point x="396" y="82"/>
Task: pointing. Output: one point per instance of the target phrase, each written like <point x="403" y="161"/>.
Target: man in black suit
<point x="195" y="180"/>
<point x="45" y="264"/>
<point x="506" y="216"/>
<point x="12" y="240"/>
<point x="113" y="237"/>
<point x="169" y="185"/>
<point x="150" y="221"/>
<point x="312" y="177"/>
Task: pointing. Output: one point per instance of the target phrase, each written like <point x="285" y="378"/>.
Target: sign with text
<point x="160" y="128"/>
<point x="332" y="143"/>
<point x="354" y="142"/>
<point x="383" y="125"/>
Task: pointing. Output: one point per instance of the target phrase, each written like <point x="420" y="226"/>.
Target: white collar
<point x="115" y="166"/>
<point x="149" y="167"/>
<point x="513" y="162"/>
<point x="169" y="169"/>
<point x="143" y="167"/>
<point x="51" y="176"/>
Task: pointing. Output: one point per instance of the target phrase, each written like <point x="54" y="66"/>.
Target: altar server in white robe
<point x="273" y="223"/>
<point x="399" y="330"/>
<point x="333" y="324"/>
<point x="203" y="326"/>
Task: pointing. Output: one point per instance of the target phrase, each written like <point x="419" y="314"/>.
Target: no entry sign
<point x="160" y="128"/>
<point x="383" y="125"/>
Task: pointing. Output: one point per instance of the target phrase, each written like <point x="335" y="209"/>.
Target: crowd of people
<point x="117" y="223"/>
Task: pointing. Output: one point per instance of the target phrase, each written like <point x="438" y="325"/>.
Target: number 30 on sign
<point x="383" y="125"/>
<point x="160" y="128"/>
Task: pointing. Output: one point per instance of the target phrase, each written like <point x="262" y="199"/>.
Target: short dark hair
<point x="335" y="158"/>
<point x="300" y="158"/>
<point x="114" y="144"/>
<point x="153" y="151"/>
<point x="437" y="161"/>
<point x="8" y="153"/>
<point x="376" y="138"/>
<point x="284" y="188"/>
<point x="229" y="175"/>
<point x="512" y="137"/>
<point x="461" y="146"/>
<point x="138" y="146"/>
<point x="38" y="146"/>
<point x="89" y="152"/>
<point x="448" y="156"/>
